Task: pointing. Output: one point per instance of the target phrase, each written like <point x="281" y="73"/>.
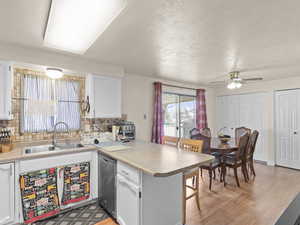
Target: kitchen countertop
<point x="159" y="160"/>
<point x="17" y="153"/>
<point x="156" y="160"/>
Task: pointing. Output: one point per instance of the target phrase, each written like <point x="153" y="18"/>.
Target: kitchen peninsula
<point x="154" y="195"/>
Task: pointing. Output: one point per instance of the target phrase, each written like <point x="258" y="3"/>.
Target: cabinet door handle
<point x="125" y="173"/>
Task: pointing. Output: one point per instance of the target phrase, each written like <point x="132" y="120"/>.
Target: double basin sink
<point x="51" y="148"/>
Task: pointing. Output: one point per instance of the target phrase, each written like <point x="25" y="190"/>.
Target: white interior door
<point x="233" y="113"/>
<point x="247" y="110"/>
<point x="228" y="113"/>
<point x="287" y="124"/>
<point x="253" y="114"/>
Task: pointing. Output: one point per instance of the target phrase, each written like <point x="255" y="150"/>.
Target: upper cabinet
<point x="6" y="84"/>
<point x="105" y="96"/>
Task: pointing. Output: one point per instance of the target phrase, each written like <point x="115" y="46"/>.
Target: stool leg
<point x="197" y="192"/>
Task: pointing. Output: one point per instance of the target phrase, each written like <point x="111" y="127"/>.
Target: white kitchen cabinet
<point x="105" y="95"/>
<point x="7" y="193"/>
<point x="143" y="199"/>
<point x="65" y="160"/>
<point x="128" y="194"/>
<point x="6" y="82"/>
<point x="128" y="202"/>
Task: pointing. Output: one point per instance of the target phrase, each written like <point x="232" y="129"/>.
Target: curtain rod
<point x="175" y="86"/>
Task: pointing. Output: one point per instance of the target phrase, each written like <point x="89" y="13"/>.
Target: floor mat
<point x="87" y="215"/>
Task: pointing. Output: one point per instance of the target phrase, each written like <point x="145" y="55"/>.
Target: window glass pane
<point x="179" y="114"/>
<point x="170" y="110"/>
<point x="187" y="115"/>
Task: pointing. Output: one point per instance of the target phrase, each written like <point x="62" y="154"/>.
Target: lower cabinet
<point x="7" y="193"/>
<point x="143" y="199"/>
<point x="128" y="202"/>
<point x="64" y="181"/>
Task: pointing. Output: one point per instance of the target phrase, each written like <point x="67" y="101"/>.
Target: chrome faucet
<point x="55" y="129"/>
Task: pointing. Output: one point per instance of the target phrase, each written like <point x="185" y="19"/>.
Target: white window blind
<point x="47" y="102"/>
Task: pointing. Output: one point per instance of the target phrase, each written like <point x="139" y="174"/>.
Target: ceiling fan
<point x="235" y="81"/>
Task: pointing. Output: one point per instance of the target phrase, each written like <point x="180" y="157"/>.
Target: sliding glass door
<point x="179" y="114"/>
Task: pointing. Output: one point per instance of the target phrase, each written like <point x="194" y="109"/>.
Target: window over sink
<point x="46" y="102"/>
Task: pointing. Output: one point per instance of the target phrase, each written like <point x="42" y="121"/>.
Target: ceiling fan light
<point x="238" y="84"/>
<point x="54" y="73"/>
<point x="234" y="85"/>
<point x="231" y="85"/>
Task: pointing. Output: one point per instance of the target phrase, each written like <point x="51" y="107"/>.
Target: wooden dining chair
<point x="250" y="153"/>
<point x="239" y="132"/>
<point x="210" y="167"/>
<point x="194" y="131"/>
<point x="194" y="146"/>
<point x="206" y="132"/>
<point x="171" y="141"/>
<point x="238" y="159"/>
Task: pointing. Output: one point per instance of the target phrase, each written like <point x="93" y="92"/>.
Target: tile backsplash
<point x="87" y="125"/>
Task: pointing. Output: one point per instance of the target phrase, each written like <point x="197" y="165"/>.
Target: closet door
<point x="233" y="116"/>
<point x="287" y="120"/>
<point x="228" y="113"/>
<point x="253" y="114"/>
<point x="221" y="107"/>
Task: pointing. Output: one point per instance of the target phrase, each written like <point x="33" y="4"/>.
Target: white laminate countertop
<point x="154" y="159"/>
<point x="159" y="160"/>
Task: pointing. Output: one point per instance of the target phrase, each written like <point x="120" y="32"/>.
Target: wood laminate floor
<point x="107" y="222"/>
<point x="259" y="202"/>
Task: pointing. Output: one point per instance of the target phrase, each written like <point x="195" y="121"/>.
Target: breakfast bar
<point x="148" y="177"/>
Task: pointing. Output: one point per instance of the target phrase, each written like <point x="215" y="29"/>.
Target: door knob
<point x="295" y="132"/>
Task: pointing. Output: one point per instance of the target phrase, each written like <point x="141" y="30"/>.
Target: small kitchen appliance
<point x="127" y="130"/>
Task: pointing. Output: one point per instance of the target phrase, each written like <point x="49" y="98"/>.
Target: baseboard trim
<point x="261" y="162"/>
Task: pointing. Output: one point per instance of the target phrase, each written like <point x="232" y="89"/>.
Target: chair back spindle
<point x="191" y="145"/>
<point x="171" y="141"/>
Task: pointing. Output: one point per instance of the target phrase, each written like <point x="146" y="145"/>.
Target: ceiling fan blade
<point x="217" y="82"/>
<point x="253" y="79"/>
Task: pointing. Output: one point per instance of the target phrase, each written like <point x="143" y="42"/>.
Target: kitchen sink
<point x="50" y="148"/>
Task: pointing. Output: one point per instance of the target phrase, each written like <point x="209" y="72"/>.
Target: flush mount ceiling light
<point x="54" y="73"/>
<point x="74" y="26"/>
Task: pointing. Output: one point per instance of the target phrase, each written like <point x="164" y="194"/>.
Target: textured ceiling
<point x="190" y="40"/>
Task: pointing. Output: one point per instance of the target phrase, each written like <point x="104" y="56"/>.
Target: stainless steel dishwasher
<point x="107" y="183"/>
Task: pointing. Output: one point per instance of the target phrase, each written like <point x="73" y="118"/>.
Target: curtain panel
<point x="201" y="116"/>
<point x="45" y="102"/>
<point x="157" y="127"/>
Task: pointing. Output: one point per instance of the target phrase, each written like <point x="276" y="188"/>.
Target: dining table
<point x="221" y="149"/>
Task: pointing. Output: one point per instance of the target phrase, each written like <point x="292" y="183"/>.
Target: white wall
<point x="138" y="101"/>
<point x="268" y="87"/>
<point x="56" y="59"/>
